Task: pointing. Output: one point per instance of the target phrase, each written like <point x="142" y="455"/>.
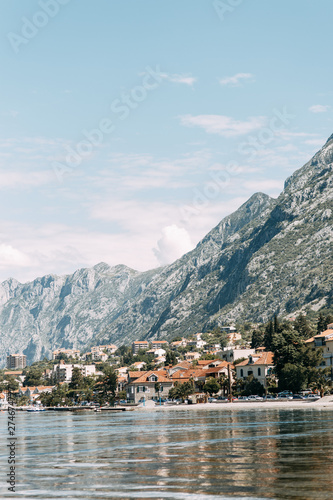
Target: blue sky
<point x="129" y="129"/>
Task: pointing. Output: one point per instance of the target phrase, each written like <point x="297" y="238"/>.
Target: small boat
<point x="35" y="409"/>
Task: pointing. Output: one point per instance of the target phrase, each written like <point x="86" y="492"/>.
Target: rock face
<point x="270" y="256"/>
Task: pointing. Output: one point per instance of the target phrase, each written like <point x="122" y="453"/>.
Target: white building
<point x="258" y="365"/>
<point x="198" y="344"/>
<point x="233" y="354"/>
<point x="64" y="371"/>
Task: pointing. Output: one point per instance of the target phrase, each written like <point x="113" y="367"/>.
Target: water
<point x="172" y="454"/>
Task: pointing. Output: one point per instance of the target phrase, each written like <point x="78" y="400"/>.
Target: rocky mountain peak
<point x="271" y="256"/>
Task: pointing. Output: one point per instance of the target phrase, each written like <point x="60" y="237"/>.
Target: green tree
<point x="321" y="323"/>
<point x="182" y="391"/>
<point x="170" y="358"/>
<point x="107" y="383"/>
<point x="269" y="334"/>
<point x="33" y="376"/>
<point x="302" y="325"/>
<point x="211" y="386"/>
<point x="320" y="381"/>
<point x="77" y="379"/>
<point x="253" y="386"/>
<point x="208" y="357"/>
<point x="257" y="339"/>
<point x="293" y="377"/>
<point x="9" y="384"/>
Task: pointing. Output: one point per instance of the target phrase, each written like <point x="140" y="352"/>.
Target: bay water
<point x="183" y="453"/>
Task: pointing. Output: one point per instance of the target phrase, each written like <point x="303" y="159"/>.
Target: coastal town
<point x="216" y="366"/>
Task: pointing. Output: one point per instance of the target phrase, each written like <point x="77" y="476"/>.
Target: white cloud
<point x="319" y="108"/>
<point x="10" y="256"/>
<point x="225" y="126"/>
<point x="183" y="78"/>
<point x="236" y="80"/>
<point x="174" y="243"/>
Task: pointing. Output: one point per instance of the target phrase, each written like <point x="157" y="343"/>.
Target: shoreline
<point x="325" y="402"/>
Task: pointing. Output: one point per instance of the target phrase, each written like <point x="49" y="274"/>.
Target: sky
<point x="129" y="129"/>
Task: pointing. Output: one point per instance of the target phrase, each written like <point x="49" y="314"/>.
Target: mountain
<point x="271" y="256"/>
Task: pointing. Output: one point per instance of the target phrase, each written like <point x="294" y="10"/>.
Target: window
<point x="242" y="372"/>
<point x="249" y="373"/>
<point x="153" y="378"/>
<point x="259" y="372"/>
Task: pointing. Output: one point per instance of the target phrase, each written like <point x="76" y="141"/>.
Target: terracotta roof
<point x="146" y="375"/>
<point x="265" y="358"/>
<point x="140" y="342"/>
<point x="136" y="374"/>
<point x="187" y="374"/>
<point x="219" y="367"/>
<point x="326" y="333"/>
<point x="183" y="364"/>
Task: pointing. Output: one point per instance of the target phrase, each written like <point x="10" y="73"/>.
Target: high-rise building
<point x="16" y="361"/>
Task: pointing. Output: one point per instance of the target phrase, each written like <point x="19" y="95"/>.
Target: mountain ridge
<point x="267" y="257"/>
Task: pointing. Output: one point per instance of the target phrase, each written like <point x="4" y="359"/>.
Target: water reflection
<point x="175" y="454"/>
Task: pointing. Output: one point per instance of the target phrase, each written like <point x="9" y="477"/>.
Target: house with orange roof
<point x="219" y="370"/>
<point x="183" y="365"/>
<point x="159" y="344"/>
<point x="182" y="376"/>
<point x="145" y="386"/>
<point x="324" y="341"/>
<point x="259" y="365"/>
<point x="178" y="343"/>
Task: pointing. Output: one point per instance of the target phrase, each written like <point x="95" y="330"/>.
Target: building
<point x="145" y="387"/>
<point x="64" y="371"/>
<point x="109" y="349"/>
<point x="197" y="344"/>
<point x="192" y="356"/>
<point x="258" y="365"/>
<point x="228" y="329"/>
<point x="233" y="354"/>
<point x="70" y="353"/>
<point x="178" y="343"/>
<point x="159" y="344"/>
<point x="16" y="361"/>
<point x="139" y="344"/>
<point x="324" y="341"/>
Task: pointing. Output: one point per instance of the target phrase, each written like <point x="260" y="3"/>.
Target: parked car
<point x="298" y="396"/>
<point x="255" y="397"/>
<point x="312" y="396"/>
<point x="284" y="396"/>
<point x="271" y="397"/>
<point x="243" y="398"/>
<point x="212" y="400"/>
